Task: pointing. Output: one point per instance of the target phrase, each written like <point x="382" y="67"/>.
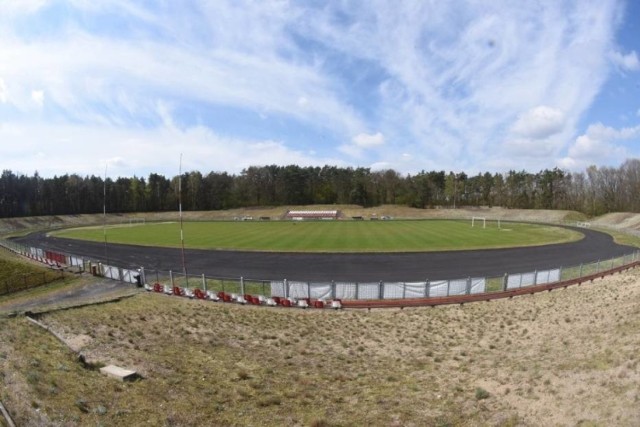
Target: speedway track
<point x="417" y="266"/>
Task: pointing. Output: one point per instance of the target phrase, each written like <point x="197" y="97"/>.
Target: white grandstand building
<point x="320" y="214"/>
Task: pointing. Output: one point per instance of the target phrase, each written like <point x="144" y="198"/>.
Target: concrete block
<point x="119" y="373"/>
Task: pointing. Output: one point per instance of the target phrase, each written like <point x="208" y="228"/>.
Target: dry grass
<point x="566" y="357"/>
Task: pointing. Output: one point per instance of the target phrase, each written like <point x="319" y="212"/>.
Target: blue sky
<point x="468" y="86"/>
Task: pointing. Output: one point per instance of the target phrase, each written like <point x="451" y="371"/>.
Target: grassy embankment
<point x="18" y="274"/>
<point x="568" y="357"/>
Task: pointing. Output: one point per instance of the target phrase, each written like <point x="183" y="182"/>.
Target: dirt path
<point x="85" y="290"/>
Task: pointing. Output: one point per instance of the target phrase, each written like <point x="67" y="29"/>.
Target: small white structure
<point x="302" y="215"/>
<point x="118" y="373"/>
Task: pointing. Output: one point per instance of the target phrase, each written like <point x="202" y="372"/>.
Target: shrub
<point x="482" y="393"/>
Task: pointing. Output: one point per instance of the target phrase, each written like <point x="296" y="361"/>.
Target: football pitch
<point x="330" y="236"/>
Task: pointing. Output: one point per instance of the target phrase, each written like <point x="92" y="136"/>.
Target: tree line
<point x="594" y="192"/>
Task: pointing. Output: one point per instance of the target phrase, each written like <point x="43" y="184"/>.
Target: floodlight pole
<point x="184" y="265"/>
<point x="104" y="212"/>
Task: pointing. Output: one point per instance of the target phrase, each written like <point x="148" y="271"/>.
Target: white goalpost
<point x="136" y="221"/>
<point x="478" y="219"/>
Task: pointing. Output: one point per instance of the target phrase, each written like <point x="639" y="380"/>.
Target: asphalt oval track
<point x="414" y="266"/>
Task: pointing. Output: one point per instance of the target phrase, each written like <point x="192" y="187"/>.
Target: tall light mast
<point x="184" y="265"/>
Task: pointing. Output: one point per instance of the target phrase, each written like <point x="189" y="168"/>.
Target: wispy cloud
<point x="3" y="91"/>
<point x="628" y="62"/>
<point x="407" y="85"/>
<point x="86" y="149"/>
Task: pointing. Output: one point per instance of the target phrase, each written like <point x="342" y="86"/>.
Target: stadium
<point x="303" y="258"/>
<point x="264" y="363"/>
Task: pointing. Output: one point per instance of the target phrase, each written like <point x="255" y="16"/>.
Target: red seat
<point x="247" y="297"/>
<point x="157" y="287"/>
<point x="199" y="293"/>
<point x="286" y="303"/>
<point x="318" y="304"/>
<point x="277" y="300"/>
<point x="255" y="300"/>
<point x="177" y="291"/>
<point x="226" y="297"/>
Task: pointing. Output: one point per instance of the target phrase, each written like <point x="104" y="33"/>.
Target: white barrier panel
<point x="111" y="272"/>
<point x="368" y="290"/>
<point x="321" y="291"/>
<point x="75" y="261"/>
<point x="478" y="285"/>
<point x="414" y="289"/>
<point x="298" y="290"/>
<point x="458" y="287"/>
<point x="548" y="276"/>
<point x="393" y="290"/>
<point x="438" y="288"/>
<point x="345" y="290"/>
<point x="277" y="289"/>
<point x="515" y="281"/>
<point x="528" y="279"/>
<point x="129" y="276"/>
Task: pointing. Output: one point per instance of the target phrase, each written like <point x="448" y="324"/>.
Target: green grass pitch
<point x="330" y="236"/>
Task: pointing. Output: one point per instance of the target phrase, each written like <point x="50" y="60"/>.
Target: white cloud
<point x="628" y="62"/>
<point x="457" y="86"/>
<point x="451" y="85"/>
<point x="365" y="140"/>
<point x="127" y="151"/>
<point x="3" y="91"/>
<point x="381" y="166"/>
<point x="84" y="70"/>
<point x="38" y="97"/>
<point x="539" y="123"/>
<point x="361" y="143"/>
<point x="15" y="7"/>
<point x="537" y="134"/>
<point x="600" y="145"/>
